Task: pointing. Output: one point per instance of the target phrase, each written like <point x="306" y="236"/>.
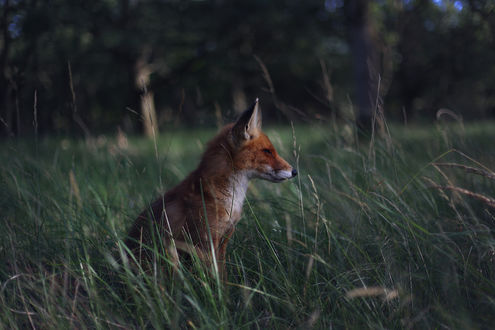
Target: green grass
<point x="359" y="215"/>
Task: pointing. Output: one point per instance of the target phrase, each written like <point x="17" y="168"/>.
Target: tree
<point x="364" y="58"/>
<point x="6" y="88"/>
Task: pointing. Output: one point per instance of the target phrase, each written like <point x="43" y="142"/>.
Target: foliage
<point x="78" y="61"/>
<point x="362" y="238"/>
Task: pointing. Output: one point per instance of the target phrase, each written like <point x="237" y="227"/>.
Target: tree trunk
<point x="6" y="114"/>
<point x="364" y="59"/>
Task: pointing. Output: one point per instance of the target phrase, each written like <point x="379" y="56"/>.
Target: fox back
<point x="201" y="212"/>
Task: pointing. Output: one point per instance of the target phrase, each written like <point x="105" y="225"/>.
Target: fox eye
<point x="267" y="151"/>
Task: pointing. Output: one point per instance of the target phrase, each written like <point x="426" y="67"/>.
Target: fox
<point x="199" y="215"/>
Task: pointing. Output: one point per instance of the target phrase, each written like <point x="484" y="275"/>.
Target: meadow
<point x="390" y="231"/>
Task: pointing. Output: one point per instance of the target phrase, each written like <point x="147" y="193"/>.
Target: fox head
<point x="253" y="151"/>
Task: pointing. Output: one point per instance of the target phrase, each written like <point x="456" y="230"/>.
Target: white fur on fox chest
<point x="238" y="185"/>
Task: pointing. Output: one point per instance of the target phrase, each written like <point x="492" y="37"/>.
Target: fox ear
<point x="248" y="125"/>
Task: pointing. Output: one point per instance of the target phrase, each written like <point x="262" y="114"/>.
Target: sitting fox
<point x="199" y="214"/>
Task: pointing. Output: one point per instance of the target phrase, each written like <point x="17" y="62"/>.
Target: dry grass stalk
<point x="468" y="169"/>
<point x="326" y="82"/>
<point x="487" y="200"/>
<point x="456" y="194"/>
<point x="284" y="108"/>
<point x="74" y="189"/>
<point x="313" y="318"/>
<point x="373" y="291"/>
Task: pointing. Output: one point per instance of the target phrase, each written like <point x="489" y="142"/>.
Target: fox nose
<point x="294" y="172"/>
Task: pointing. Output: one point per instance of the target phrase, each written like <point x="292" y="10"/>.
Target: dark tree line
<point x="90" y="66"/>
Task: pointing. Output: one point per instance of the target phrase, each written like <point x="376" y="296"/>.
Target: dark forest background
<point x="86" y="67"/>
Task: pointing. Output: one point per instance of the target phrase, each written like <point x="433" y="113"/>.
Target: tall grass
<point x="368" y="235"/>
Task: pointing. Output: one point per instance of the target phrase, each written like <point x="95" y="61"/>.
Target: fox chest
<point x="226" y="210"/>
<point x="234" y="200"/>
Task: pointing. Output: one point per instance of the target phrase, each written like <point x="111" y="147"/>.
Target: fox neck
<point x="237" y="188"/>
<point x="229" y="185"/>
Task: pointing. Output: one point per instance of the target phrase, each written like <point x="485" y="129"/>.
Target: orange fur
<point x="208" y="202"/>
